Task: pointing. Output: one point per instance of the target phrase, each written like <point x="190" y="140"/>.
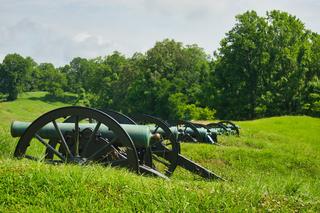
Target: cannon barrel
<point x="203" y="132"/>
<point x="140" y="134"/>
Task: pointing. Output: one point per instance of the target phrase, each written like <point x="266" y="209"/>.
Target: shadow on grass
<point x="66" y="98"/>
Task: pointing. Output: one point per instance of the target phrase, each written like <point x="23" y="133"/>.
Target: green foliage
<point x="82" y="99"/>
<point x="109" y="91"/>
<point x="31" y="80"/>
<point x="288" y="61"/>
<point x="55" y="91"/>
<point x="262" y="66"/>
<point x="168" y="68"/>
<point x="76" y="73"/>
<point x="180" y="110"/>
<point x="13" y="72"/>
<point x="51" y="80"/>
<point x="239" y="66"/>
<point x="192" y="112"/>
<point x="312" y="105"/>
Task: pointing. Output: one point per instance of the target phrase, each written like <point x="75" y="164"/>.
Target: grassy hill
<point x="273" y="166"/>
<point x="27" y="108"/>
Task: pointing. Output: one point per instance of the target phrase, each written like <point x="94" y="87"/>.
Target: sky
<point x="56" y="31"/>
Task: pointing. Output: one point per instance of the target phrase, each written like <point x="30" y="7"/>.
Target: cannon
<point x="204" y="133"/>
<point x="194" y="132"/>
<point x="185" y="131"/>
<point x="164" y="156"/>
<point x="81" y="135"/>
<point x="224" y="128"/>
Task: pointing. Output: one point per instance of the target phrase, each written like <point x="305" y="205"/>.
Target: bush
<point x="56" y="91"/>
<point x="206" y="113"/>
<point x="82" y="99"/>
<point x="13" y="94"/>
<point x="180" y="110"/>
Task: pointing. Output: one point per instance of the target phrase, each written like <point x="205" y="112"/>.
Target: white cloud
<point x="44" y="44"/>
<point x="81" y="37"/>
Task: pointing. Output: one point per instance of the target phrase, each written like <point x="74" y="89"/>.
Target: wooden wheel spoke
<point x="159" y="151"/>
<point x="107" y="145"/>
<point x="76" y="134"/>
<point x="120" y="162"/>
<point x="92" y="136"/>
<point x="31" y="157"/>
<point x="156" y="129"/>
<point x="50" y="147"/>
<point x="210" y="139"/>
<point x="63" y="141"/>
<point x="160" y="160"/>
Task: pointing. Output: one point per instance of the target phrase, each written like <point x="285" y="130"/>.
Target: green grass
<point x="27" y="108"/>
<point x="273" y="166"/>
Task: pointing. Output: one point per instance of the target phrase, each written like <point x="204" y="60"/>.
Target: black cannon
<point x="192" y="132"/>
<point x="80" y="135"/>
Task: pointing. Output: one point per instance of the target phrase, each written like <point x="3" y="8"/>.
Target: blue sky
<point x="58" y="30"/>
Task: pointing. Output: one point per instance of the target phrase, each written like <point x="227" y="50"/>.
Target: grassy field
<point x="273" y="166"/>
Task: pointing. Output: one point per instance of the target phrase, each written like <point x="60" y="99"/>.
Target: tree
<point x="2" y="80"/>
<point x="311" y="104"/>
<point x="118" y="77"/>
<point x="261" y="66"/>
<point x="52" y="80"/>
<point x="31" y="83"/>
<point x="289" y="48"/>
<point x="79" y="74"/>
<point x="14" y="72"/>
<point x="168" y="68"/>
<point x="239" y="67"/>
<point x="311" y="91"/>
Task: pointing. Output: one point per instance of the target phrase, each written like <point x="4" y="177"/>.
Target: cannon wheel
<point x="217" y="125"/>
<point x="233" y="126"/>
<point x="182" y="129"/>
<point x="165" y="151"/>
<point x="211" y="134"/>
<point x="121" y="118"/>
<point x="127" y="155"/>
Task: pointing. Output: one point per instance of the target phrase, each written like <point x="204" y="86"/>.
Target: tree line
<point x="265" y="66"/>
